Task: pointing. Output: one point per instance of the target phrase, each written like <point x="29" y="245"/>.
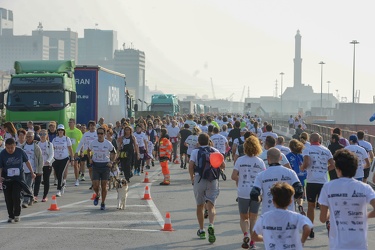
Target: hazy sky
<point x="237" y="43"/>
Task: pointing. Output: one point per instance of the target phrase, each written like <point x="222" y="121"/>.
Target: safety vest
<point x="165" y="149"/>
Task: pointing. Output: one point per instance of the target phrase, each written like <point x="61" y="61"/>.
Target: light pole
<point x="281" y="95"/>
<point x="328" y="82"/>
<point x="354" y="42"/>
<point x="321" y="87"/>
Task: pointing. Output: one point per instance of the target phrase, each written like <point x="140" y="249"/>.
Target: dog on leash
<point x="122" y="192"/>
<point x="113" y="176"/>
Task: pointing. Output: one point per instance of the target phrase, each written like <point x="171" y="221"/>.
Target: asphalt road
<point x="81" y="225"/>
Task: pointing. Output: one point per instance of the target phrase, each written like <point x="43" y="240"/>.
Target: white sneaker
<point x="77" y="183"/>
<point x="58" y="194"/>
<point x="63" y="190"/>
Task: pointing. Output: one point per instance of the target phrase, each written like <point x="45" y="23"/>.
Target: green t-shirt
<point x="75" y="136"/>
<point x="243" y="124"/>
<point x="215" y="124"/>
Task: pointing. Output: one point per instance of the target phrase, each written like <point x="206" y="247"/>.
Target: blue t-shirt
<point x="295" y="161"/>
<point x="13" y="161"/>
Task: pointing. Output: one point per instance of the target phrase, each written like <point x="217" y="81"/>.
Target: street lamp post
<point x="281" y="95"/>
<point x="328" y="82"/>
<point x="354" y="42"/>
<point x="321" y="87"/>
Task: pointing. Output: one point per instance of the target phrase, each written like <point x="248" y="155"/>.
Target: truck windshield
<point x="35" y="100"/>
<point x="162" y="107"/>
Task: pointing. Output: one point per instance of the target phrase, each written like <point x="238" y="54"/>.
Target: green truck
<point x="166" y="103"/>
<point x="41" y="91"/>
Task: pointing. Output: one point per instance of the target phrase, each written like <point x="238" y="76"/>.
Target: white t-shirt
<point x="44" y="147"/>
<point x="191" y="123"/>
<point x="263" y="156"/>
<point x="362" y="155"/>
<point x="317" y="170"/>
<point x="258" y="132"/>
<point x="347" y="201"/>
<point x="365" y="144"/>
<point x="101" y="150"/>
<point x="60" y="146"/>
<point x="173" y="131"/>
<point x="283" y="149"/>
<point x="141" y="137"/>
<point x="204" y="128"/>
<point x="236" y="141"/>
<point x="224" y="133"/>
<point x="248" y="168"/>
<point x="219" y="142"/>
<point x="192" y="142"/>
<point x="280" y="229"/>
<point x="265" y="134"/>
<point x="86" y="139"/>
<point x="270" y="176"/>
<point x="29" y="150"/>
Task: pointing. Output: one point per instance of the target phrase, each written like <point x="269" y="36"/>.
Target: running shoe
<point x="96" y="200"/>
<point x="58" y="194"/>
<point x="252" y="245"/>
<point x="185" y="166"/>
<point x="301" y="211"/>
<point x="25" y="205"/>
<point x="82" y="178"/>
<point x="312" y="234"/>
<point x="206" y="214"/>
<point x="152" y="163"/>
<point x="77" y="183"/>
<point x="317" y="206"/>
<point x="90" y="187"/>
<point x="182" y="165"/>
<point x="31" y="202"/>
<point x="211" y="234"/>
<point x="201" y="234"/>
<point x="10" y="220"/>
<point x="165" y="183"/>
<point x="142" y="171"/>
<point x="45" y="199"/>
<point x="102" y="206"/>
<point x="148" y="167"/>
<point x="17" y="218"/>
<point x="63" y="190"/>
<point x="245" y="244"/>
<point x="35" y="199"/>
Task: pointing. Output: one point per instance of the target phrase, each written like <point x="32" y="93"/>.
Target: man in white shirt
<point x="268" y="133"/>
<point x="220" y="142"/>
<point x="275" y="173"/>
<point x="173" y="132"/>
<point x="270" y="142"/>
<point x="280" y="145"/>
<point x="190" y="121"/>
<point x="363" y="162"/>
<point x="343" y="204"/>
<point x="102" y="155"/>
<point x="317" y="160"/>
<point x="368" y="147"/>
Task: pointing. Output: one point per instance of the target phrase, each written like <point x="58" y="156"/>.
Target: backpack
<point x="204" y="168"/>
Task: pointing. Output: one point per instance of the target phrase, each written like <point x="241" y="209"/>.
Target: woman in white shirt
<point x="62" y="146"/>
<point x="48" y="154"/>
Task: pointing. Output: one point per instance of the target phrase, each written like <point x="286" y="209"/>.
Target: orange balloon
<point x="216" y="159"/>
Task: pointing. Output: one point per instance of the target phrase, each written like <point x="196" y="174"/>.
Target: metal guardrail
<point x="324" y="131"/>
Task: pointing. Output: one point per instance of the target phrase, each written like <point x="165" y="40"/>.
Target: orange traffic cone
<point x="146" y="195"/>
<point x="93" y="196"/>
<point x="54" y="206"/>
<point x="146" y="180"/>
<point x="167" y="223"/>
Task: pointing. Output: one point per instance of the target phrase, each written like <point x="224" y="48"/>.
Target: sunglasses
<point x="60" y="130"/>
<point x="100" y="133"/>
<point x="42" y="134"/>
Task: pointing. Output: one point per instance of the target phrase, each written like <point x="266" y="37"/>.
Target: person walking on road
<point x="343" y="205"/>
<point x="279" y="228"/>
<point x="363" y="161"/>
<point x="165" y="154"/>
<point x="48" y="155"/>
<point x="12" y="177"/>
<point x="127" y="149"/>
<point x="206" y="191"/>
<point x="317" y="160"/>
<point x="63" y="154"/>
<point x="245" y="170"/>
<point x="75" y="136"/>
<point x="103" y="154"/>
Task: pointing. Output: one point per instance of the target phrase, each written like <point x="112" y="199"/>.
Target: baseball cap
<point x="353" y="138"/>
<point x="61" y="126"/>
<point x="244" y="129"/>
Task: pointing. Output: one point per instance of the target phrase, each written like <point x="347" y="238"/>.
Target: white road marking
<point x="85" y="228"/>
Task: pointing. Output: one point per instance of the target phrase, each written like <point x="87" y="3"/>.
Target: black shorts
<point x="100" y="173"/>
<point x="366" y="172"/>
<point x="183" y="149"/>
<point x="313" y="191"/>
<point x="86" y="159"/>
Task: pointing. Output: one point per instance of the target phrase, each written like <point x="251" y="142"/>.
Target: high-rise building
<point x="132" y="62"/>
<point x="70" y="42"/>
<point x="6" y="22"/>
<point x="97" y="45"/>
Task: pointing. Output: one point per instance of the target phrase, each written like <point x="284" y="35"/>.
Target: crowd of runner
<point x="268" y="174"/>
